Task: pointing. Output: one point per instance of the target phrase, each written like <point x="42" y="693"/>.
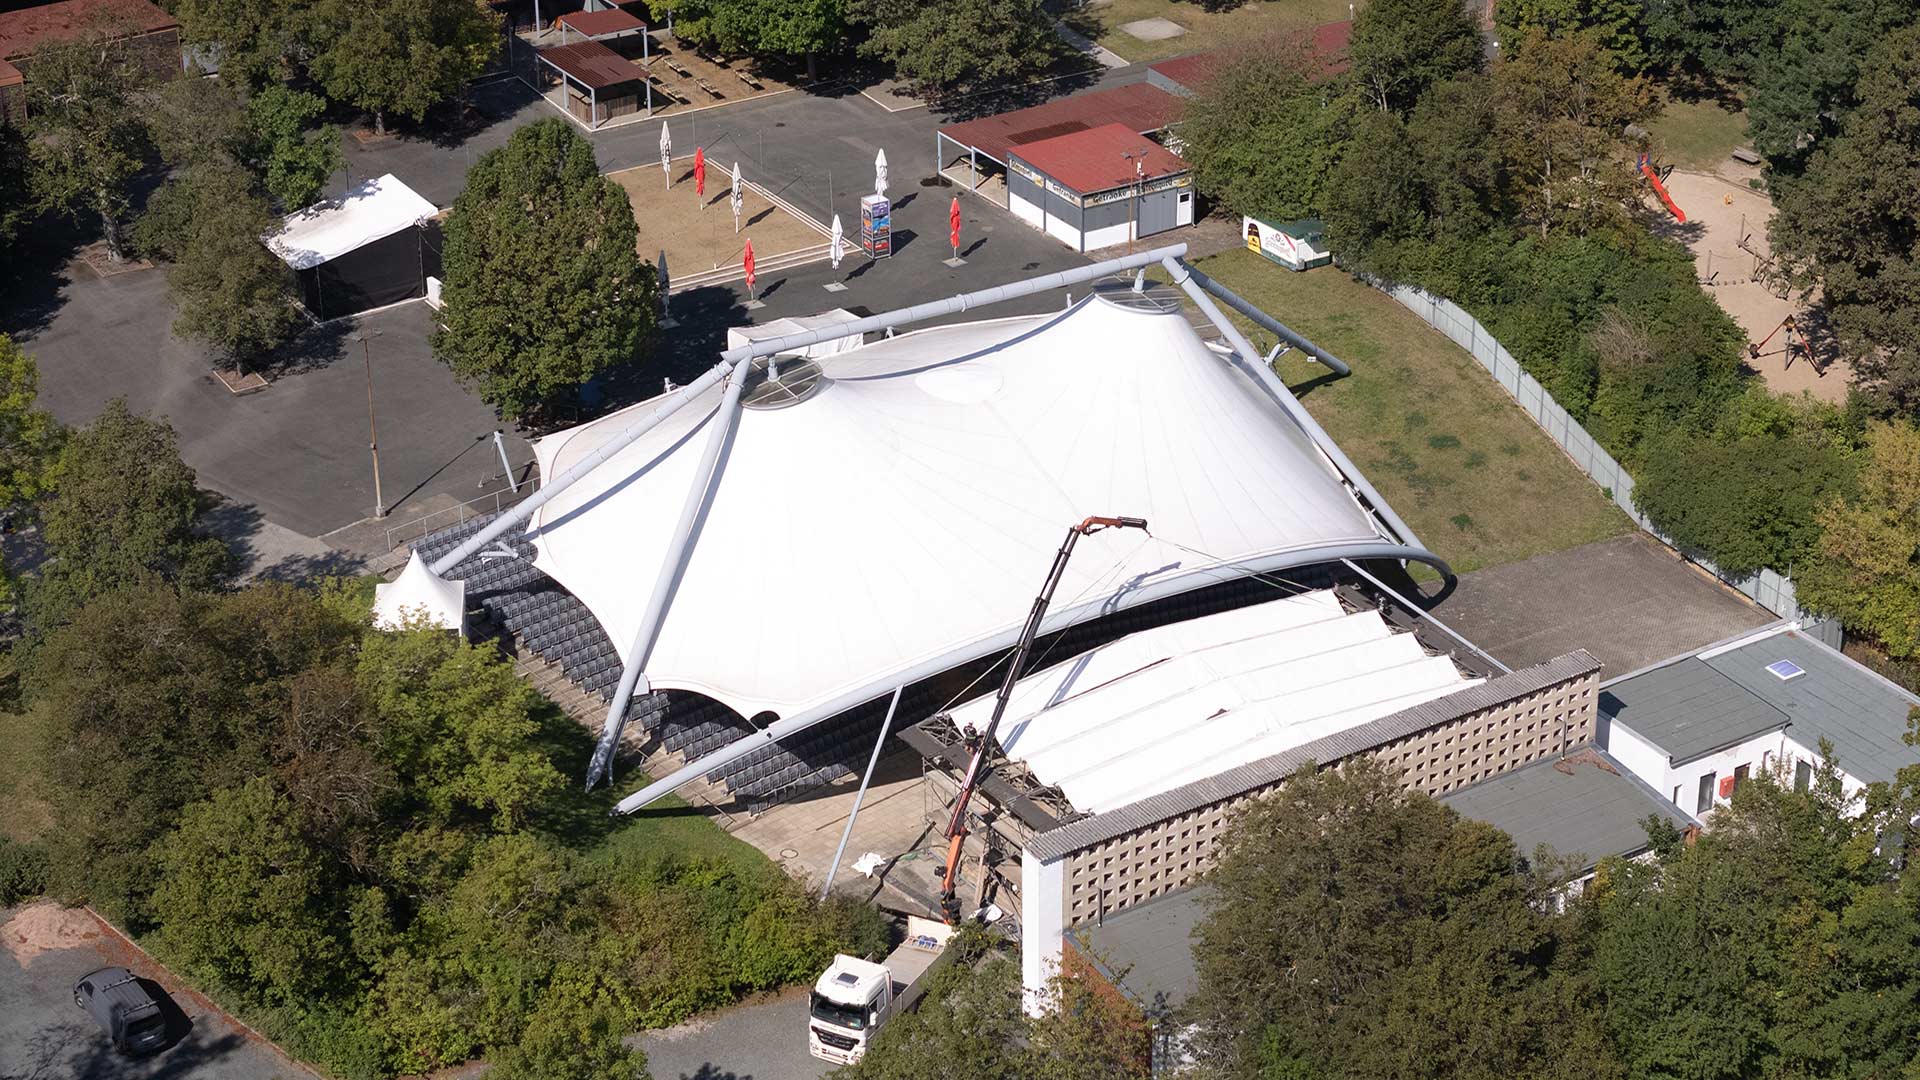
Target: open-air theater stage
<point x="768" y="553"/>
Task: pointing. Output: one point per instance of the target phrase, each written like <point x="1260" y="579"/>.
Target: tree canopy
<point x="230" y="291"/>
<point x="1852" y="224"/>
<point x="29" y="442"/>
<point x="1401" y="47"/>
<point x="401" y="56"/>
<point x="86" y="130"/>
<point x="960" y="46"/>
<point x="543" y="289"/>
<point x="1745" y="503"/>
<point x="1865" y="568"/>
<point x="124" y="511"/>
<point x="1265" y="135"/>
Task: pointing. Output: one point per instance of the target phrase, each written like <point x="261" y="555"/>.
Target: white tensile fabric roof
<point x="419" y="592"/>
<point x="912" y="505"/>
<point x="1179" y="703"/>
<point x="747" y="335"/>
<point x="370" y="210"/>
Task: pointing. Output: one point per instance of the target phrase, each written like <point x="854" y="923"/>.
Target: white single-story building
<point x="1296" y="245"/>
<point x="1099" y="187"/>
<point x="1695" y="726"/>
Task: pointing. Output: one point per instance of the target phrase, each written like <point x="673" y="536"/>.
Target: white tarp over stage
<point x="912" y="505"/>
<point x="799" y="324"/>
<point x="1183" y="702"/>
<point x="370" y="210"/>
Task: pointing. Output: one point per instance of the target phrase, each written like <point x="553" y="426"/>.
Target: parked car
<point x="121" y="1005"/>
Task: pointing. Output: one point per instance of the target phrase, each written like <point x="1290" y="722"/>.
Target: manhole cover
<point x="789" y="853"/>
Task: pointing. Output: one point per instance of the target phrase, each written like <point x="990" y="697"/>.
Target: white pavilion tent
<point x="904" y="512"/>
<point x="357" y="252"/>
<point x="419" y="594"/>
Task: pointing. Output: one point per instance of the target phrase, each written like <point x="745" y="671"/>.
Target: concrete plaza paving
<point x="1629" y="601"/>
<point x="764" y="1039"/>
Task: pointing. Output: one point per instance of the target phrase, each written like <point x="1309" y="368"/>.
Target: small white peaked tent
<point x="418" y="593"/>
<point x="900" y="509"/>
<point x="359" y="252"/>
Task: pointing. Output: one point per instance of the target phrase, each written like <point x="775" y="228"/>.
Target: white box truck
<point x="854" y="998"/>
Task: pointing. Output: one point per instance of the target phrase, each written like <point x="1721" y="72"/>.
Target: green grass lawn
<point x="24" y="814"/>
<point x="671" y="826"/>
<point x="1460" y="460"/>
<point x="1244" y="25"/>
<point x="1697" y="134"/>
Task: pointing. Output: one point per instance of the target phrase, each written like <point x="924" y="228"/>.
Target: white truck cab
<point x="853" y="998"/>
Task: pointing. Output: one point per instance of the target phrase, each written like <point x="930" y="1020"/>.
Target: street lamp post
<point x="373" y="432"/>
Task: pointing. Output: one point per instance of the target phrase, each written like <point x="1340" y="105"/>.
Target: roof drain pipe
<point x="1249" y="359"/>
<point x="1270" y="324"/>
<point x="767" y="347"/>
<point x="631" y="670"/>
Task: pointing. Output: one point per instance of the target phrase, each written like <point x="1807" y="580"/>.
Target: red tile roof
<point x="27" y="29"/>
<point x="1327" y="43"/>
<point x="1138" y="108"/>
<point x="596" y="23"/>
<point x="1095" y="159"/>
<point x="592" y="64"/>
<point x="10" y="75"/>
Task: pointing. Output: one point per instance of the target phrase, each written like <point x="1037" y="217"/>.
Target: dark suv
<point x="117" y="1001"/>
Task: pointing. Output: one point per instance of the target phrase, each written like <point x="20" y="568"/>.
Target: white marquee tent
<point x="912" y="504"/>
<point x="358" y="252"/>
<point x="418" y="593"/>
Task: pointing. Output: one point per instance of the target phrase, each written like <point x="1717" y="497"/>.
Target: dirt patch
<point x="46" y="927"/>
<point x="1726" y="230"/>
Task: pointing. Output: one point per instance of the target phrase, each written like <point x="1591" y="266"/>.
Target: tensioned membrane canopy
<point x="913" y="503"/>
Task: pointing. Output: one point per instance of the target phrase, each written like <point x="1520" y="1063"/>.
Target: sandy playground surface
<point x="1722" y="216"/>
<point x="700" y="239"/>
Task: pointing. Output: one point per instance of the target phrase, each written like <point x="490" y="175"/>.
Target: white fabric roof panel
<point x="370" y="210"/>
<point x="799" y="324"/>
<point x="1171" y="705"/>
<point x="912" y="505"/>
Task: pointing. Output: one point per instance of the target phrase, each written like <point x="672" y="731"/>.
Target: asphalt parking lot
<point x="761" y="1040"/>
<point x="44" y="950"/>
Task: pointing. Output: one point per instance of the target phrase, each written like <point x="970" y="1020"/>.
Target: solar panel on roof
<point x="1785" y="669"/>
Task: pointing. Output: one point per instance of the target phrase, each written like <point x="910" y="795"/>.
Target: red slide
<point x="1660" y="189"/>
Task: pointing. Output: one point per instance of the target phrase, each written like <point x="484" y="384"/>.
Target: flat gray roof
<point x="1689" y="709"/>
<point x="1152" y="943"/>
<point x="1585" y="804"/>
<point x="1701" y="704"/>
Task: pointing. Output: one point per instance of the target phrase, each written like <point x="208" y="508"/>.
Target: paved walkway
<point x="764" y="1039"/>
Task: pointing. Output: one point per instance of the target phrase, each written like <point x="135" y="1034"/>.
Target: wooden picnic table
<point x="749" y="80"/>
<point x="709" y="88"/>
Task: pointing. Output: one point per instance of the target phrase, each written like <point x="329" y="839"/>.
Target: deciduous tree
<point x="16" y="196"/>
<point x="543" y="290"/>
<point x="230" y="291"/>
<point x="402" y="56"/>
<point x="1401" y="47"/>
<point x="571" y="1033"/>
<point x="1263" y="136"/>
<point x="253" y="38"/>
<point x="1560" y="113"/>
<point x="244" y="900"/>
<point x="959" y="46"/>
<point x="29" y="442"/>
<point x="124" y="511"/>
<point x="294" y="155"/>
<point x="86" y="129"/>
<point x="1745" y="504"/>
<point x="1865" y="568"/>
<point x="1615" y="24"/>
<point x="1852" y="225"/>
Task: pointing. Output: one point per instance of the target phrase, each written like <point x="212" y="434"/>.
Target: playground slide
<point x="1660" y="189"/>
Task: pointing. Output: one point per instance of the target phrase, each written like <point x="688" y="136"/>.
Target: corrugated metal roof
<point x="1688" y="709"/>
<point x="599" y="23"/>
<point x="27" y="29"/>
<point x="1149" y="946"/>
<point x="1138" y="107"/>
<point x="1585" y="804"/>
<point x="1252" y="776"/>
<point x="592" y="64"/>
<point x="1861" y="713"/>
<point x="1095" y="159"/>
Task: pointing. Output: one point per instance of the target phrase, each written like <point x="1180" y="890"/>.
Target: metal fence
<point x="1768" y="589"/>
